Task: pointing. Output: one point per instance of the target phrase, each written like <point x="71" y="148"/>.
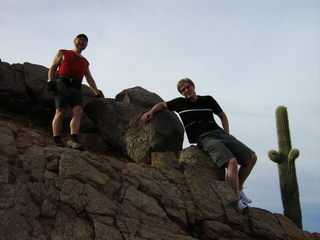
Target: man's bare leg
<point x="232" y="175"/>
<point x="75" y="127"/>
<point x="58" y="121"/>
<point x="246" y="168"/>
<point x="244" y="172"/>
<point x="76" y="119"/>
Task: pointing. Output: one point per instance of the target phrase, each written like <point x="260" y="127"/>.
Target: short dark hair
<point x="182" y="81"/>
<point x="82" y="36"/>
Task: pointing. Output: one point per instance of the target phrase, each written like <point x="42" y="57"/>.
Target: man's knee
<point x="60" y="112"/>
<point x="77" y="110"/>
<point x="232" y="163"/>
<point x="251" y="161"/>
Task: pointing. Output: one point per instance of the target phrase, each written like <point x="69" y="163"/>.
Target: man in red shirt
<point x="70" y="66"/>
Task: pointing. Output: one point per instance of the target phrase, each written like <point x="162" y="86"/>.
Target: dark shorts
<point x="67" y="95"/>
<point x="221" y="147"/>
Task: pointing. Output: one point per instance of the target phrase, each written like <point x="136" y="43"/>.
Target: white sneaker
<point x="242" y="205"/>
<point x="244" y="197"/>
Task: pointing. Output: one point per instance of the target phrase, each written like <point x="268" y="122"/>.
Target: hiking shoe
<point x="242" y="205"/>
<point x="59" y="143"/>
<point x="244" y="197"/>
<point x="74" y="144"/>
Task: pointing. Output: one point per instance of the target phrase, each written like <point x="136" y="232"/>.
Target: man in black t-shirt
<point x="197" y="115"/>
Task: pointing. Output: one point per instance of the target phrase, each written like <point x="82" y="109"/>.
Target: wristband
<point x="49" y="80"/>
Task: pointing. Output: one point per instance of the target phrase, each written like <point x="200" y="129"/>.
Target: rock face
<point x="120" y="125"/>
<point x="129" y="183"/>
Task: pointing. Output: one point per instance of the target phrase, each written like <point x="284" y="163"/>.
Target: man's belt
<point x="71" y="81"/>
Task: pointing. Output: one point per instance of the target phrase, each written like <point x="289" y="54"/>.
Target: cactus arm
<point x="293" y="155"/>
<point x="274" y="156"/>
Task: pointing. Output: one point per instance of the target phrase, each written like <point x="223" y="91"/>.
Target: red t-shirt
<point x="73" y="65"/>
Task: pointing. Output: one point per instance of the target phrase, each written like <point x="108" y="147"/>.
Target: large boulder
<point x="119" y="121"/>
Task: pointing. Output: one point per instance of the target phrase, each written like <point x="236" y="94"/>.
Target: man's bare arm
<point x="224" y="121"/>
<point x="91" y="81"/>
<point x="55" y="64"/>
<point x="156" y="108"/>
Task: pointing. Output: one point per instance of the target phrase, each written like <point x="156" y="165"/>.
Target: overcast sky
<point x="250" y="55"/>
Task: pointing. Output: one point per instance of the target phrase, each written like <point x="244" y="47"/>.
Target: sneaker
<point x="59" y="143"/>
<point x="242" y="205"/>
<point x="244" y="197"/>
<point x="74" y="144"/>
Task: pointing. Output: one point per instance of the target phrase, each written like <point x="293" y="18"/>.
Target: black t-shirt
<point x="197" y="117"/>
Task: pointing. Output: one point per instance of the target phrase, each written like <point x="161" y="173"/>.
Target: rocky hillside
<point x="132" y="181"/>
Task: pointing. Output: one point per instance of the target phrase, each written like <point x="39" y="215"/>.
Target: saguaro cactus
<point x="285" y="158"/>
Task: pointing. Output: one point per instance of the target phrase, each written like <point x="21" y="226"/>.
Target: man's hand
<point x="51" y="86"/>
<point x="146" y="117"/>
<point x="156" y="108"/>
<point x="100" y="95"/>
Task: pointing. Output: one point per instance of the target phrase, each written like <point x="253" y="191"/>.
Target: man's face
<point x="187" y="90"/>
<point x="80" y="43"/>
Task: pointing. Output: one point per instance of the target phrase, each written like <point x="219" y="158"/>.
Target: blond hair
<point x="182" y="81"/>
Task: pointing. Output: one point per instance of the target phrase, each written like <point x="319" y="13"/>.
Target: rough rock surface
<point x="120" y="125"/>
<point x="108" y="191"/>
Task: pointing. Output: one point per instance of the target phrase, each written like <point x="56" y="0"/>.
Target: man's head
<point x="81" y="42"/>
<point x="82" y="36"/>
<point x="187" y="88"/>
<point x="182" y="81"/>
